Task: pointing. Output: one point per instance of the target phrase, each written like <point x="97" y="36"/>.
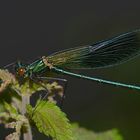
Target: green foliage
<point x="46" y="115"/>
<point x="11" y="109"/>
<point x="85" y="134"/>
<point x="12" y="119"/>
<point x="51" y="121"/>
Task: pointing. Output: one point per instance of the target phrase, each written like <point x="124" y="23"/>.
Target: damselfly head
<point x="20" y="69"/>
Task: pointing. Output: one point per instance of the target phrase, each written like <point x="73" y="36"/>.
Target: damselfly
<point x="98" y="55"/>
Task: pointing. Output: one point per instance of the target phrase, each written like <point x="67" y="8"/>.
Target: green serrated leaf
<point x="85" y="134"/>
<point x="2" y="108"/>
<point x="11" y="109"/>
<point x="51" y="121"/>
<point x="29" y="110"/>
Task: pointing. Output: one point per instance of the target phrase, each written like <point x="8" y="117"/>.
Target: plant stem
<point x="25" y="101"/>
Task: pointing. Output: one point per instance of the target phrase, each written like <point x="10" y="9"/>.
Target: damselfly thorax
<point x="36" y="68"/>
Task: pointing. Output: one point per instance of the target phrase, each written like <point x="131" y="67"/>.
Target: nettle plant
<point x="17" y="113"/>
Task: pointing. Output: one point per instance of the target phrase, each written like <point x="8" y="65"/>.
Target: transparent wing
<point x="101" y="54"/>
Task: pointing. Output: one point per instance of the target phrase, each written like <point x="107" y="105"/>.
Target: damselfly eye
<point x="21" y="71"/>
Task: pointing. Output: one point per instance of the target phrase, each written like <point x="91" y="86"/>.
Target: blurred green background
<point x="30" y="30"/>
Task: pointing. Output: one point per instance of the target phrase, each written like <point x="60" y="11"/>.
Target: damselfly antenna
<point x="8" y="65"/>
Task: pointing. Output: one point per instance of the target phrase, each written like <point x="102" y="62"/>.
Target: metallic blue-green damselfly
<point x="102" y="54"/>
